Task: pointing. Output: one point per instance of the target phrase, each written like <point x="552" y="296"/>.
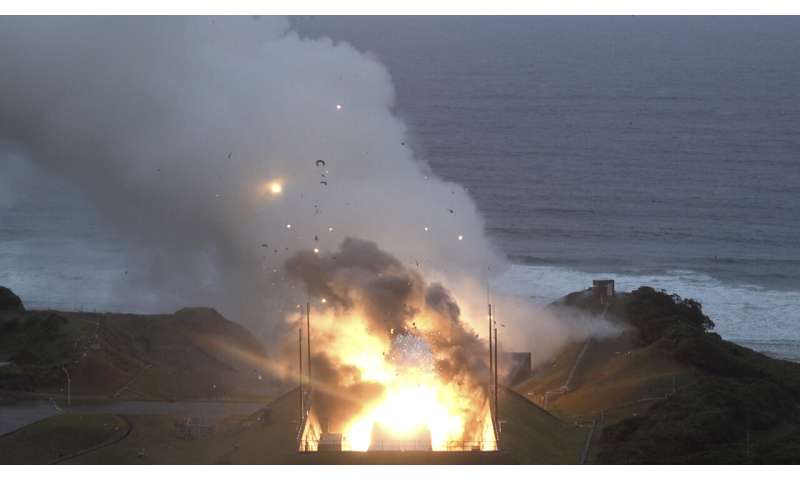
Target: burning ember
<point x="393" y="366"/>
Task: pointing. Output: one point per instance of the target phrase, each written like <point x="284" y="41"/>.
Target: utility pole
<point x="496" y="403"/>
<point x="69" y="385"/>
<point x="300" y="374"/>
<point x="308" y="338"/>
<point x="491" y="365"/>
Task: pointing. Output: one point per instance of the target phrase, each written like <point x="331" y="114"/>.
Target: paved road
<point x="16" y="415"/>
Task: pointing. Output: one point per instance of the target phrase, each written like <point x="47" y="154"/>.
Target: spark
<point x="316" y="250"/>
<point x="275" y="188"/>
<point x="338" y="107"/>
<point x="426" y="229"/>
<point x="324" y="300"/>
<point x="461" y="237"/>
<point x="330" y="229"/>
<point x="288" y="225"/>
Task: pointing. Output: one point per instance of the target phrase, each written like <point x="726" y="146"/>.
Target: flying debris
<point x="320" y="163"/>
<point x="229" y="155"/>
<point x="265" y="245"/>
<point x="316" y="238"/>
<point x="323" y="182"/>
<point x="450" y="210"/>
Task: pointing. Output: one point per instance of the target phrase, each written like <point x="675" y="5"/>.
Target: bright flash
<point x="324" y="300"/>
<point x="461" y="237"/>
<point x="275" y="188"/>
<point x="288" y="225"/>
<point x="426" y="229"/>
<point x="338" y="107"/>
<point x="316" y="250"/>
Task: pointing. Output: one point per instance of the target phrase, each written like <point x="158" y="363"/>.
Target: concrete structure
<point x="603" y="289"/>
<point x="190" y="429"/>
<point x="330" y="442"/>
<point x="519" y="366"/>
<point x="384" y="440"/>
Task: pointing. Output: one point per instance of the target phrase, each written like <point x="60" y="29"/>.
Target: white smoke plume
<point x="174" y="127"/>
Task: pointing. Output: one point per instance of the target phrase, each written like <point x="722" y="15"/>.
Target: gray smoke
<point x="172" y="126"/>
<point x="421" y="321"/>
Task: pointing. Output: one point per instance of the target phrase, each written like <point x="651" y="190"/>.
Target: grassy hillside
<point x="193" y="353"/>
<point x="530" y="436"/>
<point x="58" y="437"/>
<point x="671" y="391"/>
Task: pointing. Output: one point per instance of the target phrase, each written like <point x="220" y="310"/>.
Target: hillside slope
<point x="193" y="353"/>
<point x="668" y="390"/>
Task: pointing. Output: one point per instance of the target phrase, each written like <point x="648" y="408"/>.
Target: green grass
<point x="56" y="437"/>
<point x="532" y="436"/>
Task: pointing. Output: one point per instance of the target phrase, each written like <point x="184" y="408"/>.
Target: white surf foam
<point x="742" y="313"/>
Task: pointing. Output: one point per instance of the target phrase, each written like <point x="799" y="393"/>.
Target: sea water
<point x="655" y="151"/>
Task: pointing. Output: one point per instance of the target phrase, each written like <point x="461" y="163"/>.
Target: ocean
<point x="655" y="151"/>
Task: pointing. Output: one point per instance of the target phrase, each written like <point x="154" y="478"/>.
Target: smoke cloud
<point x="416" y="325"/>
<point x="175" y="129"/>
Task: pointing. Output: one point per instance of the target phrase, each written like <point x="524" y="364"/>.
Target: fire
<point x="409" y="407"/>
<point x="270" y="187"/>
<point x="394" y="365"/>
<point x="414" y="397"/>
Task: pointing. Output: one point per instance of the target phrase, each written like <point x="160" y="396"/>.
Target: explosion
<point x="393" y="365"/>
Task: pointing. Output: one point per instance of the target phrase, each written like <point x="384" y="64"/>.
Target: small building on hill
<point x="518" y="366"/>
<point x="603" y="289"/>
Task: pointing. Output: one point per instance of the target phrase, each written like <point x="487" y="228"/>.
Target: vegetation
<point x="55" y="438"/>
<point x="743" y="407"/>
<point x="193" y="353"/>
